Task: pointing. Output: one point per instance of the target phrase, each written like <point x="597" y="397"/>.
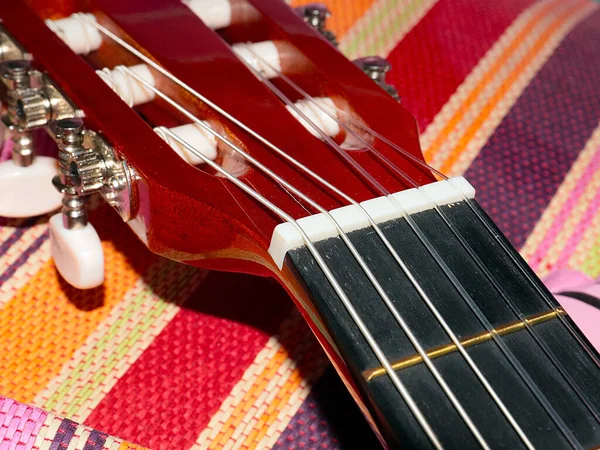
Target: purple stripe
<point x="328" y="419"/>
<point x="16" y="235"/>
<point x="95" y="441"/>
<point x="522" y="165"/>
<point x="63" y="435"/>
<point x="22" y="259"/>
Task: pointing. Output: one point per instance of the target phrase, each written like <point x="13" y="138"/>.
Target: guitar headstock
<point x="241" y="81"/>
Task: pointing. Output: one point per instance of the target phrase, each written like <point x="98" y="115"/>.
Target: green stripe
<point x="124" y="345"/>
<point x="360" y="33"/>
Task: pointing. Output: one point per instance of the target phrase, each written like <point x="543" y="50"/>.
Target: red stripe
<point x="172" y="391"/>
<point x="438" y="54"/>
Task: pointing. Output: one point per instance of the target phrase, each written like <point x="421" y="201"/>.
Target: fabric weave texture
<point x="170" y="357"/>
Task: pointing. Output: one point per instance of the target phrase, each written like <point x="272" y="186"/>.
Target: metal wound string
<point x="468" y="299"/>
<point x="522" y="268"/>
<point x="185" y="86"/>
<point x="390" y="248"/>
<point x="515" y="309"/>
<point x="407" y="330"/>
<point x="334" y="283"/>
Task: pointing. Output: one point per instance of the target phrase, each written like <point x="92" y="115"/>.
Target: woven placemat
<point x="171" y="357"/>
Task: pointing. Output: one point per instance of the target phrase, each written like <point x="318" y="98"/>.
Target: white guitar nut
<point x="313" y="110"/>
<point x="194" y="135"/>
<point x="80" y="36"/>
<point x="128" y="88"/>
<point x="215" y="14"/>
<point x="262" y="56"/>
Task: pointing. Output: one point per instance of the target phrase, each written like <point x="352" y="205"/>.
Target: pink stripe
<point x="19" y="425"/>
<point x="558" y="222"/>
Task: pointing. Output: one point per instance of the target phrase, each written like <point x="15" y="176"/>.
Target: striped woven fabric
<point x="171" y="357"/>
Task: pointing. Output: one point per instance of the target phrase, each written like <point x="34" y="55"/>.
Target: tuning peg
<point x="26" y="177"/>
<point x="77" y="253"/>
<point x="376" y="68"/>
<point x="27" y="191"/>
<point x="316" y="15"/>
<point x="74" y="243"/>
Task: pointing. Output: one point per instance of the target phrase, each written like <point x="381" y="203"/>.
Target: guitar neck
<point x="488" y="279"/>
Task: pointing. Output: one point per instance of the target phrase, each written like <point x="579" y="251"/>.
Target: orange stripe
<point x="47" y="321"/>
<point x="343" y="16"/>
<point x="506" y="84"/>
<point x="242" y="407"/>
<point x="489" y="76"/>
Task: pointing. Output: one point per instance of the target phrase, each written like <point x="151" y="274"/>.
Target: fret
<point x="385" y="405"/>
<point x="470" y="341"/>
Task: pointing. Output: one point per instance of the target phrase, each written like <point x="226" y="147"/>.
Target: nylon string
<point x="516" y="310"/>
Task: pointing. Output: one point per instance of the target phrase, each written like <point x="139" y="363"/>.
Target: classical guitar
<point x="232" y="135"/>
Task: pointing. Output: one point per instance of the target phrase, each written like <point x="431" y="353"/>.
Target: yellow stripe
<point x="46" y="322"/>
<point x="265" y="388"/>
<point x="465" y="123"/>
<point x="119" y="340"/>
<point x="586" y="257"/>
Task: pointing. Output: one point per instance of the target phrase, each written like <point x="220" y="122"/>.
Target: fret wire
<point x="463" y="242"/>
<point x="407" y="330"/>
<point x="335" y="285"/>
<point x="174" y="79"/>
<point x="467" y="342"/>
<point x="524" y="270"/>
<point x="425" y="241"/>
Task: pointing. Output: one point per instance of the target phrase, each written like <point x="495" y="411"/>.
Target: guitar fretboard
<point x="546" y="406"/>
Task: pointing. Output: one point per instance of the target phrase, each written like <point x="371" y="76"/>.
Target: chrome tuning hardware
<point x="31" y="102"/>
<point x="88" y="165"/>
<point x="376" y="68"/>
<point x="9" y="50"/>
<point x="316" y="15"/>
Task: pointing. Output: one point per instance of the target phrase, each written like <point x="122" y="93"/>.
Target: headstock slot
<point x="179" y="42"/>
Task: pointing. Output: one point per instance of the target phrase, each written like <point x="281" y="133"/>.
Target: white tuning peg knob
<point x="28" y="191"/>
<point x="77" y="253"/>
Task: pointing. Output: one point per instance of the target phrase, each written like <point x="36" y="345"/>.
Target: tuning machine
<point x="30" y="103"/>
<point x="376" y="68"/>
<point x="88" y="165"/>
<point x="316" y="15"/>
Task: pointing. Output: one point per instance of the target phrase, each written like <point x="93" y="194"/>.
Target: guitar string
<point x="370" y="275"/>
<point x="593" y="355"/>
<point x="407" y="330"/>
<point x="427" y="244"/>
<point x="516" y="310"/>
<point x="468" y="299"/>
<point x="421" y="419"/>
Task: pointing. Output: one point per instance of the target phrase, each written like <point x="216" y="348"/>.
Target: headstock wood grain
<point x="197" y="215"/>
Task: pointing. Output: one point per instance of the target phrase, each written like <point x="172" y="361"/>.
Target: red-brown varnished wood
<point x="190" y="214"/>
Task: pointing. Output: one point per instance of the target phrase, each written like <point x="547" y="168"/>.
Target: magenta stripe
<point x="589" y="175"/>
<point x="19" y="424"/>
<point x="577" y="236"/>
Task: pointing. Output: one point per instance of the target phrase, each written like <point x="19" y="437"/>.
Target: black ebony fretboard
<point x="394" y="419"/>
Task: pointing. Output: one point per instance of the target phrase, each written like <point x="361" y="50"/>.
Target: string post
<point x="9" y="49"/>
<point x="376" y="68"/>
<point x="316" y="15"/>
